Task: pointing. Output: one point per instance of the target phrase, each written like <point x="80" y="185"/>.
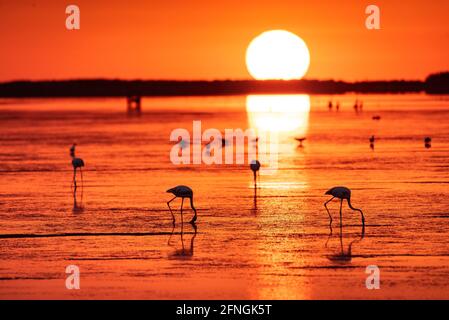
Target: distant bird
<point x="300" y="140"/>
<point x="358" y="105"/>
<point x="341" y="193"/>
<point x="428" y="142"/>
<point x="76" y="163"/>
<point x="377" y="118"/>
<point x="255" y="166"/>
<point x="372" y="139"/>
<point x="182" y="192"/>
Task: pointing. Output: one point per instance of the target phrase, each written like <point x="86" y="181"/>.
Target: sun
<point x="277" y="54"/>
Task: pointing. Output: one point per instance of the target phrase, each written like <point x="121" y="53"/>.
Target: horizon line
<point x="212" y="80"/>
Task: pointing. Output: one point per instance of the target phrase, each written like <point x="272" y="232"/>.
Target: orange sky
<point x="193" y="39"/>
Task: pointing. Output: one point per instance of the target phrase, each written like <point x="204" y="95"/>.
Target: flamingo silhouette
<point x="300" y="140"/>
<point x="182" y="192"/>
<point x="76" y="163"/>
<point x="341" y="193"/>
<point x="255" y="166"/>
<point x="372" y="139"/>
<point x="428" y="142"/>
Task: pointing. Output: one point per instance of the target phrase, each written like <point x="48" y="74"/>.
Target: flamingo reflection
<point x="184" y="252"/>
<point x="78" y="206"/>
<point x="343" y="257"/>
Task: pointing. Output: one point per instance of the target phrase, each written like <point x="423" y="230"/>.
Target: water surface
<point x="270" y="243"/>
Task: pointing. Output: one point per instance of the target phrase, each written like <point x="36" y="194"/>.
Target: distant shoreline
<point x="434" y="84"/>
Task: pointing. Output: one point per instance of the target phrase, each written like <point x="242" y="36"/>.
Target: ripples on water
<point x="269" y="243"/>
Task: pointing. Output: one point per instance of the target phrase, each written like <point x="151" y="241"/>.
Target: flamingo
<point x="255" y="166"/>
<point x="182" y="192"/>
<point x="76" y="163"/>
<point x="300" y="140"/>
<point x="427" y="142"/>
<point x="341" y="193"/>
<point x="372" y="139"/>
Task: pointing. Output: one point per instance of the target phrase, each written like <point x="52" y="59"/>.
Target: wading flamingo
<point x="255" y="166"/>
<point x="76" y="163"/>
<point x="372" y="139"/>
<point x="341" y="193"/>
<point x="182" y="192"/>
<point x="427" y="142"/>
<point x="300" y="140"/>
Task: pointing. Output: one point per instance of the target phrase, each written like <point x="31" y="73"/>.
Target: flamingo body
<point x="255" y="166"/>
<point x="181" y="191"/>
<point x="339" y="192"/>
<point x="77" y="163"/>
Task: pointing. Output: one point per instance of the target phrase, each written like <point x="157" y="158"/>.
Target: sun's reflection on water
<point x="277" y="120"/>
<point x="285" y="114"/>
<point x="280" y="119"/>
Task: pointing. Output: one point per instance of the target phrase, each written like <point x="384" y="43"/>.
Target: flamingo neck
<point x="191" y="204"/>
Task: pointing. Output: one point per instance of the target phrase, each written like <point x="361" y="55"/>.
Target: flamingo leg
<point x="182" y="219"/>
<point x="74" y="178"/>
<point x="82" y="182"/>
<point x="255" y="178"/>
<point x="325" y="205"/>
<point x="168" y="204"/>
<point x="182" y="233"/>
<point x="330" y="235"/>
<point x="341" y="205"/>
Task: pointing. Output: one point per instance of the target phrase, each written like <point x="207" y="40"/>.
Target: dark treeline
<point x="436" y="83"/>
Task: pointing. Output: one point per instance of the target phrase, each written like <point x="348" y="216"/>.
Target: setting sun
<point x="277" y="54"/>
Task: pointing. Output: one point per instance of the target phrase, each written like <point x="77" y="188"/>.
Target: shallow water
<point x="273" y="242"/>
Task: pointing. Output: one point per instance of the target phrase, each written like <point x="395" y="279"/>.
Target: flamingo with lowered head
<point x="341" y="193"/>
<point x="182" y="192"/>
